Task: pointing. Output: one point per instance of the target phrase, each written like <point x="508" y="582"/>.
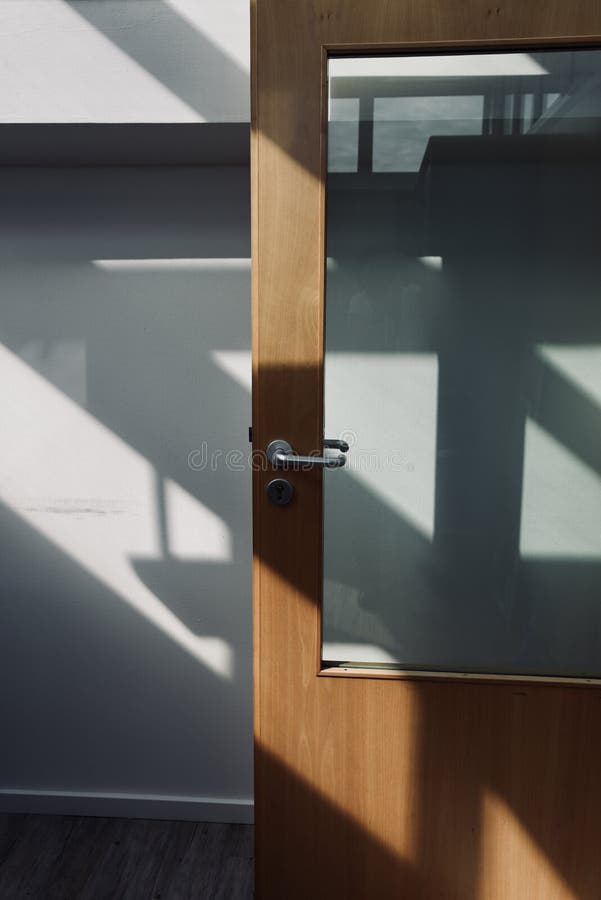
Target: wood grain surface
<point x="383" y="788"/>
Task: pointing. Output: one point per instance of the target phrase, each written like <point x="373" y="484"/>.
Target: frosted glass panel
<point x="463" y="363"/>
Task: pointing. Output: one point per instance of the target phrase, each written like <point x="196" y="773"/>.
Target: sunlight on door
<point x="502" y="828"/>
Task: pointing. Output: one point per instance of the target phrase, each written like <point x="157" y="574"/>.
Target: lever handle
<point x="281" y="455"/>
<point x="335" y="444"/>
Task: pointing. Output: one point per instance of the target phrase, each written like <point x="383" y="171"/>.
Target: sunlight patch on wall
<point x="173" y="265"/>
<point x="57" y="67"/>
<point x="561" y="501"/>
<point x="94" y="497"/>
<point x="193" y="530"/>
<point x="236" y="364"/>
<point x="225" y="24"/>
<point x="62" y="362"/>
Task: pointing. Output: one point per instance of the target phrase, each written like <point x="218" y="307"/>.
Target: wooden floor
<point x="76" y="858"/>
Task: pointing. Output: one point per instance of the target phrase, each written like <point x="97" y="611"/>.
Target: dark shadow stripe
<point x="222" y="143"/>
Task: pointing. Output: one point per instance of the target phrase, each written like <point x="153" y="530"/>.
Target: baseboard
<point x="131" y="806"/>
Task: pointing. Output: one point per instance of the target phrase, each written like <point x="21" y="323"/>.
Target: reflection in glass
<point x="402" y="127"/>
<point x="463" y="362"/>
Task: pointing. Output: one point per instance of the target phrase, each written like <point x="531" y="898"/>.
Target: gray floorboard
<point x="81" y="858"/>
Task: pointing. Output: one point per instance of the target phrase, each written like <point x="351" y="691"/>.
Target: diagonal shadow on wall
<point x="175" y="52"/>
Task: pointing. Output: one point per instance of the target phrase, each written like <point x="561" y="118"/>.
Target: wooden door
<point x="376" y="781"/>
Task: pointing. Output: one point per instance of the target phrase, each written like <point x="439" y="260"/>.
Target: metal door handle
<point x="281" y="455"/>
<point x="335" y="444"/>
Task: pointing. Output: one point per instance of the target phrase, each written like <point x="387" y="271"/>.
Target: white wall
<point x="125" y="657"/>
<point x="124" y="60"/>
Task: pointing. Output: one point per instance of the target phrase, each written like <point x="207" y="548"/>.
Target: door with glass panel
<point x="427" y="437"/>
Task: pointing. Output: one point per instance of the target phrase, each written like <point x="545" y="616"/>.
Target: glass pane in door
<point x="463" y="362"/>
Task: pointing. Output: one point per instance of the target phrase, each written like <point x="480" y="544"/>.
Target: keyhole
<point x="280" y="491"/>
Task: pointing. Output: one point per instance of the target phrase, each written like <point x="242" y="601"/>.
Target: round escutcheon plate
<point x="280" y="491"/>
